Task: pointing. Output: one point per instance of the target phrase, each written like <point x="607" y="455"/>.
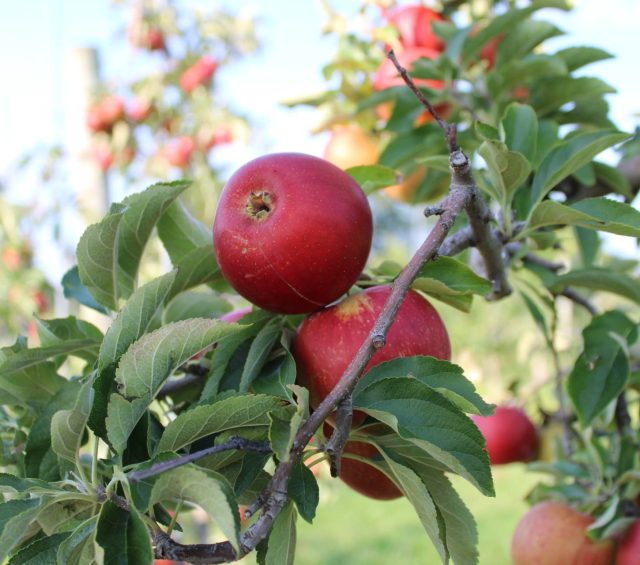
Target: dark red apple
<point x="552" y="533"/>
<point x="364" y="478"/>
<point x="629" y="546"/>
<point x="414" y="25"/>
<point x="509" y="434"/>
<point x="155" y="39"/>
<point x="292" y="232"/>
<point x="327" y="340"/>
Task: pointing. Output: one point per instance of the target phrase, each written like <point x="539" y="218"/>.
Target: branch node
<point x="433" y="211"/>
<point x="379" y="340"/>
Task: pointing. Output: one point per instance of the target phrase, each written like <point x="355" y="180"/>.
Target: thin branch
<point x="198" y="553"/>
<point x="335" y="445"/>
<point x="172" y="387"/>
<point x="514" y="248"/>
<point x="579" y="299"/>
<point x="235" y="442"/>
<point x="119" y="501"/>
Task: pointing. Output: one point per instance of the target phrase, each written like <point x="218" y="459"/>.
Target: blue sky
<point x="35" y="36"/>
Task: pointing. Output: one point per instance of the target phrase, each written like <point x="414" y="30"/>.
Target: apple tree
<point x="109" y="439"/>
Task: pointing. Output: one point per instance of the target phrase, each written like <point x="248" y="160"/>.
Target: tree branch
<point x="335" y="445"/>
<point x="235" y="442"/>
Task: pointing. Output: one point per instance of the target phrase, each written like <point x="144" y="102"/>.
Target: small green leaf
<point x="196" y="267"/>
<point x="259" y="352"/>
<point x="436" y="162"/>
<point x="195" y="304"/>
<point x="602" y="369"/>
<point x="485" y="132"/>
<point x="78" y="547"/>
<point x="520" y="125"/>
<point x="373" y="177"/>
<point x="123" y="536"/>
<point x="73" y="289"/>
<point x="550" y="94"/>
<point x="568" y="157"/>
<point x="15" y="517"/>
<point x="601" y="214"/>
<point x="60" y="330"/>
<point x="280" y="547"/>
<point x="578" y="57"/>
<point x="425" y="417"/>
<point x="235" y="413"/>
<point x="67" y="426"/>
<point x="507" y="170"/>
<point x="212" y="494"/>
<point x="303" y="490"/>
<point x="181" y="233"/>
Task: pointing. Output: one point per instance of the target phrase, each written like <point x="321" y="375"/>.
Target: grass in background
<point x="354" y="530"/>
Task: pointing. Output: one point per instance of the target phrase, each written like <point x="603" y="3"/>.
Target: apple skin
<point x="349" y="146"/>
<point x="629" y="546"/>
<point x="103" y="115"/>
<point x="292" y="232"/>
<point x="363" y="478"/>
<point x="199" y="73"/>
<point x="552" y="533"/>
<point x="178" y="152"/>
<point x="509" y="434"/>
<point x="327" y="340"/>
<point x="488" y="51"/>
<point x="155" y="39"/>
<point x="414" y="26"/>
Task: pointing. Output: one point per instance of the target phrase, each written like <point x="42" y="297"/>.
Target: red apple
<point x="292" y="232"/>
<point x="327" y="340"/>
<point x="414" y="25"/>
<point x="552" y="533"/>
<point x="629" y="546"/>
<point x="488" y="51"/>
<point x="139" y="110"/>
<point x="178" y="152"/>
<point x="103" y="115"/>
<point x="103" y="156"/>
<point x="509" y="434"/>
<point x="41" y="301"/>
<point x="11" y="258"/>
<point x="364" y="478"/>
<point x="208" y="138"/>
<point x="198" y="73"/>
<point x="155" y="39"/>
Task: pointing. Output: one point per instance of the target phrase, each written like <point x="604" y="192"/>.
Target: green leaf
<point x="61" y="512"/>
<point x="40" y="460"/>
<point x="518" y="72"/>
<point x="123" y="536"/>
<point x="568" y="157"/>
<point x="143" y="210"/>
<point x="600" y="279"/>
<point x="213" y="495"/>
<point x="28" y="359"/>
<point x="451" y="281"/>
<point x="13" y="484"/>
<point x="15" y="517"/>
<point x="32" y="385"/>
<point x="78" y="547"/>
<point x="523" y="38"/>
<point x="601" y="371"/>
<point x="303" y="490"/>
<point x="97" y="255"/>
<point x="195" y="304"/>
<point x="548" y="95"/>
<point x="373" y="177"/>
<point x="67" y="426"/>
<point x="73" y="289"/>
<point x="41" y="552"/>
<point x="442" y="376"/>
<point x="259" y="352"/>
<point x="277" y="383"/>
<point x="601" y="214"/>
<point x="131" y="323"/>
<point x="546" y="140"/>
<point x="507" y="170"/>
<point x="281" y="543"/>
<point x="613" y="178"/>
<point x="285" y="425"/>
<point x="196" y="267"/>
<point x="240" y="412"/>
<point x="588" y="244"/>
<point x="181" y="233"/>
<point x="485" y="132"/>
<point x="60" y="330"/>
<point x="520" y="125"/>
<point x="577" y="57"/>
<point x="428" y="419"/>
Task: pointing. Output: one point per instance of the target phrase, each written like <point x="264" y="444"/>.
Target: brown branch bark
<point x="335" y="445"/>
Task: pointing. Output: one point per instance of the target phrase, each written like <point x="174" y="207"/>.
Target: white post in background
<point x="81" y="77"/>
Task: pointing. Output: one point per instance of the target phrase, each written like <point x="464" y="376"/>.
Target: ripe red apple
<point x="327" y="340"/>
<point x="208" y="138"/>
<point x="139" y="110"/>
<point x="414" y="25"/>
<point x="552" y="533"/>
<point x="11" y="258"/>
<point x="155" y="39"/>
<point x="198" y="73"/>
<point x="103" y="156"/>
<point x="178" y="152"/>
<point x="509" y="434"/>
<point x="41" y="301"/>
<point x="103" y="115"/>
<point x="364" y="478"/>
<point x="629" y="546"/>
<point x="292" y="232"/>
<point x="488" y="51"/>
<point x="350" y="146"/>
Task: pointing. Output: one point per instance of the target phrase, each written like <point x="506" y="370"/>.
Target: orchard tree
<point x="109" y="440"/>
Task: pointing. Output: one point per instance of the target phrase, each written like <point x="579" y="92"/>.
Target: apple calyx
<point x="259" y="205"/>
